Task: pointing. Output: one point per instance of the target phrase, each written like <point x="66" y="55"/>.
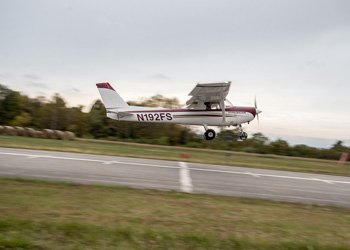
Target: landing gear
<point x="242" y="135"/>
<point x="209" y="133"/>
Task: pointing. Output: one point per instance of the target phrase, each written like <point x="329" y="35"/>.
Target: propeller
<point x="258" y="111"/>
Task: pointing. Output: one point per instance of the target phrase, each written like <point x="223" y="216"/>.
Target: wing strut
<point x="223" y="108"/>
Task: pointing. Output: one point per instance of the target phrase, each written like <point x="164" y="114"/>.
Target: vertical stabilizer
<point x="110" y="98"/>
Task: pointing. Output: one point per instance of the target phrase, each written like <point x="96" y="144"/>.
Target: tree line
<point x="17" y="109"/>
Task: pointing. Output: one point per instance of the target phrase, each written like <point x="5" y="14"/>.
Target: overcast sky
<point x="293" y="55"/>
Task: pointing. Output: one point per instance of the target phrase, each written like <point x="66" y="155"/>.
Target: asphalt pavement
<point x="180" y="176"/>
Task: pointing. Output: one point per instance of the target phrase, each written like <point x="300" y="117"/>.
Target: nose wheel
<point x="242" y="135"/>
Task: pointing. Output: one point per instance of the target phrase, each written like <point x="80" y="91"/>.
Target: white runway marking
<point x="272" y="175"/>
<point x="253" y="174"/>
<point x="185" y="178"/>
<point x="30" y="156"/>
<point x="107" y="162"/>
<point x="328" y="181"/>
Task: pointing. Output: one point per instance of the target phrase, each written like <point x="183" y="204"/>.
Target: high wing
<point x="208" y="92"/>
<point x="205" y="93"/>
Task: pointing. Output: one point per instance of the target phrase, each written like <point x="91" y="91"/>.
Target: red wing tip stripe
<point x="104" y="85"/>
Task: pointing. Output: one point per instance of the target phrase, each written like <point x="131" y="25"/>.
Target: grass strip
<point x="57" y="215"/>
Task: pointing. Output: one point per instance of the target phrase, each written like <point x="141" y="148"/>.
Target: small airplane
<point x="206" y="107"/>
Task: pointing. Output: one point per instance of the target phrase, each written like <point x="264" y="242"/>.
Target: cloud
<point x="72" y="91"/>
<point x="31" y="76"/>
<point x="40" y="93"/>
<point x="5" y="75"/>
<point x="37" y="85"/>
<point x="159" y="77"/>
<point x="315" y="64"/>
<point x="33" y="81"/>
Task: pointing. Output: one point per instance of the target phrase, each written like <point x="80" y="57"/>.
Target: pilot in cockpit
<point x="211" y="106"/>
<point x="207" y="106"/>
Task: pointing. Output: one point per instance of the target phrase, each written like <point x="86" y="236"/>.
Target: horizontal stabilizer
<point x="119" y="114"/>
<point x="123" y="114"/>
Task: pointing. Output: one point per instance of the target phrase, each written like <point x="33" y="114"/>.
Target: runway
<point x="180" y="176"/>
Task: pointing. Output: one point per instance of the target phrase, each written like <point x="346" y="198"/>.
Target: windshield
<point x="228" y="104"/>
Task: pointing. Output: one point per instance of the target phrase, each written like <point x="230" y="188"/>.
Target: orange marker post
<point x="184" y="155"/>
<point x="343" y="158"/>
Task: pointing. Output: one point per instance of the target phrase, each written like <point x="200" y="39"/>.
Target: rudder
<point x="110" y="98"/>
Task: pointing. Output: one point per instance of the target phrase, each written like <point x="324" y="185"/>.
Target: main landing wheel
<point x="209" y="134"/>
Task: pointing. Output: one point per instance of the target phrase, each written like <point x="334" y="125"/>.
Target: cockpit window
<point x="212" y="106"/>
<point x="209" y="105"/>
<point x="228" y="104"/>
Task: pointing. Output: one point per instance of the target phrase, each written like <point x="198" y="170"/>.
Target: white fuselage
<point x="233" y="115"/>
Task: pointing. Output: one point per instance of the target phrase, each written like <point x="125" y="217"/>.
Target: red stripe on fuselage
<point x="232" y="109"/>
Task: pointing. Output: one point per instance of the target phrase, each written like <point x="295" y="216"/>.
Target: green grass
<point x="173" y="153"/>
<point x="56" y="215"/>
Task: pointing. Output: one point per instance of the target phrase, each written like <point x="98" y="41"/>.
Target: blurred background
<point x="70" y="178"/>
<point x="293" y="55"/>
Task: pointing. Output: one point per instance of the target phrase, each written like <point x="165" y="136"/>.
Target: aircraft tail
<point x="110" y="98"/>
